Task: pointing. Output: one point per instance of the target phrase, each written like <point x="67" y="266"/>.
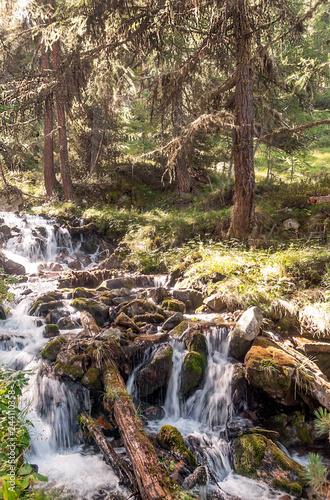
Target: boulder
<point x="70" y="364"/>
<point x="193" y="371"/>
<point x="76" y="265"/>
<point x="93" y="380"/>
<point x="157" y="295"/>
<point x="140" y="306"/>
<point x="154" y="319"/>
<point x="171" y="439"/>
<point x="52" y="349"/>
<point x="246" y="330"/>
<point x="115" y="283"/>
<point x="11" y="267"/>
<point x="174" y="305"/>
<point x="45" y="298"/>
<point x="51" y="330"/>
<point x="291" y="224"/>
<point x="197" y="478"/>
<point x="180" y="329"/>
<point x="318" y="350"/>
<point x="258" y="457"/>
<point x="216" y="303"/>
<point x="192" y="298"/>
<point x="155" y="375"/>
<point x="195" y="341"/>
<point x="86" y="293"/>
<point x="123" y="320"/>
<point x="11" y="199"/>
<point x="66" y="324"/>
<point x="173" y="321"/>
<point x="98" y="310"/>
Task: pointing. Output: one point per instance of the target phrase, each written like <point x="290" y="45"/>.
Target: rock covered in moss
<point x="156" y="374"/>
<point x="173" y="321"/>
<point x="98" y="310"/>
<point x="246" y="330"/>
<point x="174" y="305"/>
<point x="140" y="306"/>
<point x="272" y="370"/>
<point x="2" y="313"/>
<point x="86" y="293"/>
<point x="180" y="329"/>
<point x="171" y="439"/>
<point x="195" y="341"/>
<point x="258" y="457"/>
<point x="70" y="364"/>
<point x="92" y="380"/>
<point x="197" y="478"/>
<point x="193" y="371"/>
<point x="66" y="324"/>
<point x="51" y="331"/>
<point x="192" y="298"/>
<point x="53" y="348"/>
<point x="154" y="319"/>
<point x="123" y="320"/>
<point x="44" y="299"/>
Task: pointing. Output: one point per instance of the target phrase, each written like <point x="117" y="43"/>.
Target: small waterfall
<point x="172" y="401"/>
<point x="52" y="405"/>
<point x="147" y="356"/>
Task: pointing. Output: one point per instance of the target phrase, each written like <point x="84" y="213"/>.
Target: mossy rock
<point x="156" y="374"/>
<point x="89" y="247"/>
<point x="106" y="298"/>
<point x="154" y="319"/>
<point x="180" y="329"/>
<point x="272" y="370"/>
<point x="258" y="457"/>
<point x="52" y="349"/>
<point x="98" y="310"/>
<point x="193" y="371"/>
<point x="196" y="342"/>
<point x="139" y="306"/>
<point x="51" y="331"/>
<point x="73" y="371"/>
<point x="92" y="380"/>
<point x="174" y="305"/>
<point x="66" y="324"/>
<point x="170" y="439"/>
<point x="43" y="299"/>
<point x="86" y="293"/>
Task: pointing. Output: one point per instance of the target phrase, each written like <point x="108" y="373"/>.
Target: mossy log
<point x="151" y="480"/>
<point x="119" y="466"/>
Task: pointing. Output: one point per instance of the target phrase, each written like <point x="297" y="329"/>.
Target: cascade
<point x="53" y="405"/>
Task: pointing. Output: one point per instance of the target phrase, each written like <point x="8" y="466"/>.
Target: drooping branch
<point x="285" y="130"/>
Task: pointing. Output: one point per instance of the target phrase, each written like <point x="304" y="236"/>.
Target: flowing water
<point x="53" y="404"/>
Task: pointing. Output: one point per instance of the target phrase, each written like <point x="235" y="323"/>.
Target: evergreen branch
<point x="295" y="130"/>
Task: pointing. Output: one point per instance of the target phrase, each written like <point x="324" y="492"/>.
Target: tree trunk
<point x="120" y="467"/>
<point x="150" y="478"/>
<point x="49" y="170"/>
<point x="95" y="139"/>
<point x="181" y="166"/>
<point x="244" y="207"/>
<point x="62" y="136"/>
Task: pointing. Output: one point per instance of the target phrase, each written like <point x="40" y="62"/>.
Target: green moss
<point x="149" y="318"/>
<point x="170" y="439"/>
<point x="193" y="371"/>
<point x="73" y="371"/>
<point x="180" y="329"/>
<point x="174" y="305"/>
<point x="106" y="298"/>
<point x="293" y="488"/>
<point x="52" y="349"/>
<point x="51" y="330"/>
<point x="83" y="292"/>
<point x="249" y="454"/>
<point x="98" y="310"/>
<point x="304" y="434"/>
<point x="2" y="313"/>
<point x="197" y="343"/>
<point x="92" y="379"/>
<point x="48" y="297"/>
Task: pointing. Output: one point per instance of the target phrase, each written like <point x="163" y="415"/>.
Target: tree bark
<point x="62" y="135"/>
<point x="120" y="467"/>
<point x="244" y="206"/>
<point x="150" y="478"/>
<point x="49" y="169"/>
<point x="181" y="166"/>
<point x="95" y="139"/>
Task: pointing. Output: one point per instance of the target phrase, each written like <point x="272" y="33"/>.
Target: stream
<point x="71" y="465"/>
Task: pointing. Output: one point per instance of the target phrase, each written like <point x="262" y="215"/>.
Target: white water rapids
<point x="53" y="405"/>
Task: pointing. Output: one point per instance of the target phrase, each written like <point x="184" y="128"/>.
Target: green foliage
<point x="322" y="421"/>
<point x="16" y="477"/>
<point x="316" y="472"/>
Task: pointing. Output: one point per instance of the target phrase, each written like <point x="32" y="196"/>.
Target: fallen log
<point x="120" y="467"/>
<point x="319" y="199"/>
<point x="151" y="479"/>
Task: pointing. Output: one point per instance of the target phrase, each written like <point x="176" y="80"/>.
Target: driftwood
<point x="119" y="466"/>
<point x="151" y="480"/>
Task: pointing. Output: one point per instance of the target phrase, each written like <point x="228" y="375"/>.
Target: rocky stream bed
<point x="141" y="387"/>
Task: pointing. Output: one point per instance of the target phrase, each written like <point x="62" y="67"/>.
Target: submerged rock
<point x="258" y="457"/>
<point x="156" y="374"/>
<point x="246" y="330"/>
<point x="171" y="439"/>
<point x="51" y="330"/>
